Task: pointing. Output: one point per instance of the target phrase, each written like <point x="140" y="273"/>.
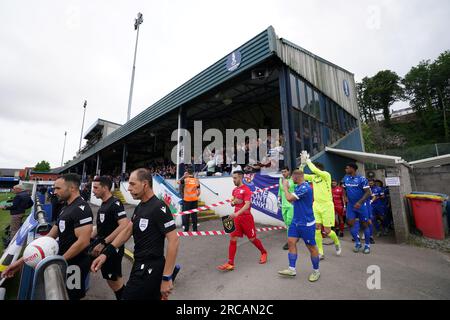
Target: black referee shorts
<point x="76" y="289"/>
<point x="145" y="280"/>
<point x="112" y="269"/>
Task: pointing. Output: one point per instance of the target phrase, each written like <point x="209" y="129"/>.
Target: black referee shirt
<point x="151" y="221"/>
<point x="75" y="215"/>
<point x="109" y="213"/>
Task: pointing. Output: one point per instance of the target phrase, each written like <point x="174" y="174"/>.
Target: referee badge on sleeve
<point x="169" y="224"/>
<point x="228" y="224"/>
<point x="143" y="223"/>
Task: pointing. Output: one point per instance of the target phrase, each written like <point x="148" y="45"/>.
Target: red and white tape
<point x="218" y="204"/>
<point x="220" y="232"/>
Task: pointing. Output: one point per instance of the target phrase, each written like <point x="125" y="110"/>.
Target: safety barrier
<point x="220" y="203"/>
<point x="48" y="280"/>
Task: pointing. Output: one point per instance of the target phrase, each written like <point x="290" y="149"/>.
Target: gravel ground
<point x="440" y="245"/>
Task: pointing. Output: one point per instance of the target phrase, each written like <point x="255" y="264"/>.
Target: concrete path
<point x="407" y="272"/>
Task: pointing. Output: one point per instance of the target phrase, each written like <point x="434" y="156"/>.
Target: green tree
<point x="383" y="89"/>
<point x="364" y="101"/>
<point x="418" y="87"/>
<point x="427" y="86"/>
<point x="440" y="80"/>
<point x="43" y="166"/>
<point x="369" y="143"/>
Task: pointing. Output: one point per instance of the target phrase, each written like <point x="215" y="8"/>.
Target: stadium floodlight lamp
<point x="138" y="21"/>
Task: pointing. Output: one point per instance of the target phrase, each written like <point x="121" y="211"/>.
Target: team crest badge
<point x="228" y="224"/>
<point x="62" y="225"/>
<point x="248" y="178"/>
<point x="143" y="223"/>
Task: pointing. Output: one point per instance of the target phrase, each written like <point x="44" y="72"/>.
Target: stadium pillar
<point x="98" y="163"/>
<point x="286" y="119"/>
<point x="83" y="174"/>
<point x="399" y="201"/>
<point x="124" y="161"/>
<point x="182" y="121"/>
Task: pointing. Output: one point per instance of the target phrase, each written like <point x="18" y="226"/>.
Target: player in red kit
<point x="243" y="221"/>
<point x="339" y="204"/>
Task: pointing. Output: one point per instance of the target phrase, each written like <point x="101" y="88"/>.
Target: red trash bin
<point x="428" y="214"/>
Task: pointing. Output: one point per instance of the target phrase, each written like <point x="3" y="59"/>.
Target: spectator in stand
<point x="210" y="167"/>
<point x="235" y="167"/>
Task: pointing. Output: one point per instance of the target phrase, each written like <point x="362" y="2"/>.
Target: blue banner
<point x="267" y="201"/>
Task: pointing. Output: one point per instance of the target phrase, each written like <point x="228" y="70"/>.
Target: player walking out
<point x="243" y="221"/>
<point x="378" y="207"/>
<point x="339" y="205"/>
<point x="323" y="206"/>
<point x="302" y="226"/>
<point x="357" y="192"/>
<point x="287" y="209"/>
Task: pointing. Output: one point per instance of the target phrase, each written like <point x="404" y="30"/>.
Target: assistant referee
<point x="111" y="220"/>
<point x="151" y="224"/>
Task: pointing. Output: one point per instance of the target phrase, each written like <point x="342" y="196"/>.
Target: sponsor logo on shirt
<point x="352" y="185"/>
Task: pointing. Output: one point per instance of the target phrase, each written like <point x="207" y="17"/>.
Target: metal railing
<point x="420" y="152"/>
<point x="49" y="281"/>
<point x="43" y="226"/>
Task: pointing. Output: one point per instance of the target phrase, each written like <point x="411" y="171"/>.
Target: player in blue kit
<point x="357" y="192"/>
<point x="378" y="207"/>
<point x="303" y="224"/>
<point x="371" y="217"/>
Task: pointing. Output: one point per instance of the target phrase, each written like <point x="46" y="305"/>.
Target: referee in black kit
<point x="74" y="229"/>
<point x="111" y="220"/>
<point x="151" y="224"/>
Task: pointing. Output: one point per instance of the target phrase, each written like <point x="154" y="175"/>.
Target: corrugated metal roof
<point x="431" y="162"/>
<point x="99" y="123"/>
<point x="366" y="157"/>
<point x="324" y="75"/>
<point x="8" y="172"/>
